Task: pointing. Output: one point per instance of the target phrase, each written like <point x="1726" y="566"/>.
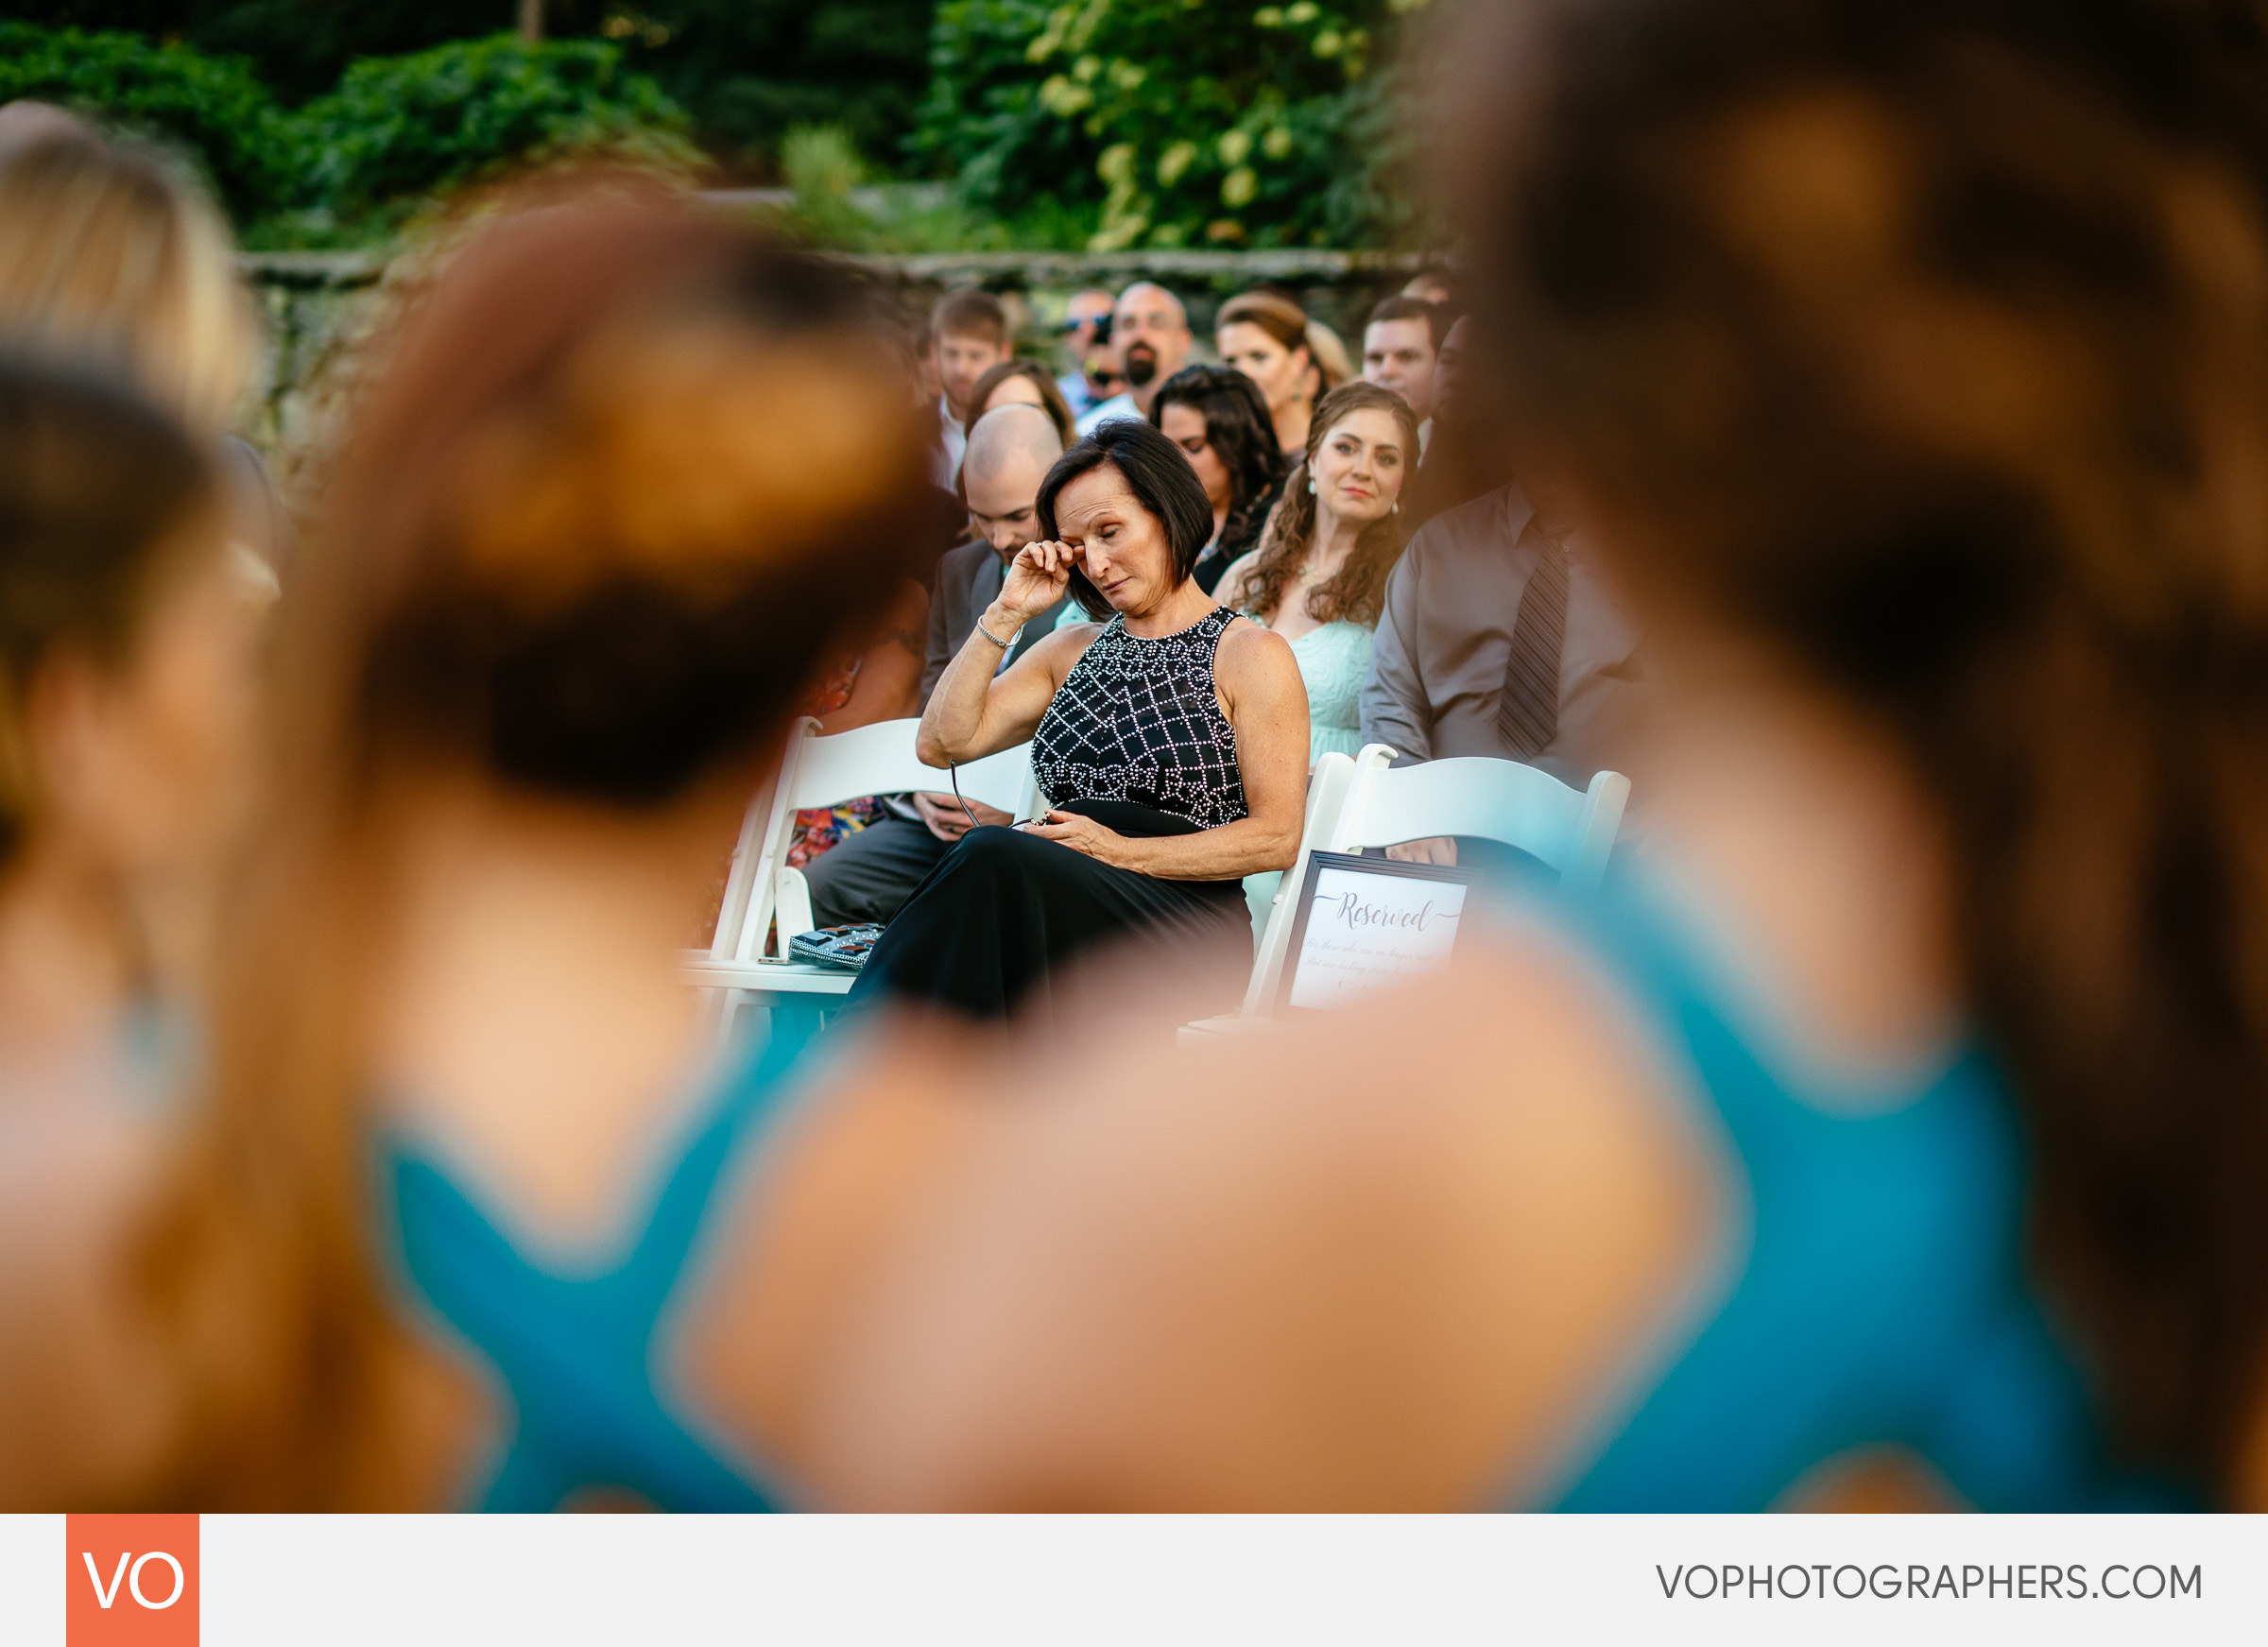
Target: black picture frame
<point x="1446" y="874"/>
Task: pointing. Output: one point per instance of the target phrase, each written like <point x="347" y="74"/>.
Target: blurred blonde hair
<point x="107" y="253"/>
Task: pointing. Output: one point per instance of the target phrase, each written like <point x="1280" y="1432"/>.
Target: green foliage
<point x="301" y="47"/>
<point x="835" y="206"/>
<point x="753" y="71"/>
<point x="1173" y="122"/>
<point x="408" y="126"/>
<point x="212" y="108"/>
<point x="747" y="71"/>
<point x="346" y="167"/>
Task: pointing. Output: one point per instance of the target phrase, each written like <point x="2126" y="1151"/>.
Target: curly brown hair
<point x="1358" y="592"/>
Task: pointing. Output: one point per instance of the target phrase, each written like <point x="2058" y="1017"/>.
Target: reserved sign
<point x="1363" y="922"/>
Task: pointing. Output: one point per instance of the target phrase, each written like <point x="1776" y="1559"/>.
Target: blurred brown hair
<point x="108" y="252"/>
<point x="1925" y="342"/>
<point x="100" y="498"/>
<point x="631" y="476"/>
<point x="1273" y="313"/>
<point x="1051" y="398"/>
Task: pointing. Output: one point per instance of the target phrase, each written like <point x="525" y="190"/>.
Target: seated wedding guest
<point x="969" y="337"/>
<point x="1171" y="743"/>
<point x="474" y="1163"/>
<point x="871" y="874"/>
<point x="881" y="683"/>
<point x="1149" y="342"/>
<point x="1400" y="347"/>
<point x="1465" y="456"/>
<point x="1318" y="578"/>
<point x="1921" y="1064"/>
<point x="128" y="650"/>
<point x="1021" y="383"/>
<point x="1501" y="637"/>
<point x="110" y="252"/>
<point x="1265" y="335"/>
<point x="1082" y="388"/>
<point x="1003" y="515"/>
<point x="1216" y="415"/>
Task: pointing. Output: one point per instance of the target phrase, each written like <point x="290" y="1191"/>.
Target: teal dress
<point x="1333" y="659"/>
<point x="576" y="1353"/>
<point x="1868" y="1288"/>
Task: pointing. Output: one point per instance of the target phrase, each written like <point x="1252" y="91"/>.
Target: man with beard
<point x="1150" y="340"/>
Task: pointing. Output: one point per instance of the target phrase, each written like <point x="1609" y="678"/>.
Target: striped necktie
<point x="1528" y="717"/>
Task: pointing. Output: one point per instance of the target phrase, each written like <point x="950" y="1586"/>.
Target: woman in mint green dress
<point x="1318" y="578"/>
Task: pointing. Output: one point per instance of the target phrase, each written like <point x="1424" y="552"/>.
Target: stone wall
<point x="321" y="308"/>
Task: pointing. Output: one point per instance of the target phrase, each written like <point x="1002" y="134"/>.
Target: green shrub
<point x="212" y="108"/>
<point x="1171" y="122"/>
<point x="406" y="127"/>
<point x="349" y="165"/>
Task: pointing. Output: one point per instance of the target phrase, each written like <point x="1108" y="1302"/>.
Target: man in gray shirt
<point x="1499" y="639"/>
<point x="869" y="874"/>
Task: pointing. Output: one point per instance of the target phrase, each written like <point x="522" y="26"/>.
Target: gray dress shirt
<point x="1445" y="639"/>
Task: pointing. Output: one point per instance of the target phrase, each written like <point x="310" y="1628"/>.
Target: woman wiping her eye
<point x="1171" y="741"/>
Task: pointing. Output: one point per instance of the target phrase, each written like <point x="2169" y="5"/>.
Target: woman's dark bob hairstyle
<point x="1156" y="473"/>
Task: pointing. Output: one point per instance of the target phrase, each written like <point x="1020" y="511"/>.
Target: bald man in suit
<point x="870" y="874"/>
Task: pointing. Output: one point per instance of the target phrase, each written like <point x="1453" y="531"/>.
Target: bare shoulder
<point x="1249" y="650"/>
<point x="1403" y="1254"/>
<point x="1067" y="639"/>
<point x="1060" y="650"/>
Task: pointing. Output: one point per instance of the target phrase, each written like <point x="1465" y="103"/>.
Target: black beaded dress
<point x="1136" y="740"/>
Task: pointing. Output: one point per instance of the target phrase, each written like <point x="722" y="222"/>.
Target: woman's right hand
<point x="1036" y="580"/>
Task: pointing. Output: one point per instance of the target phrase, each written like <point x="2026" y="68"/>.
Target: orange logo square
<point x="130" y="1581"/>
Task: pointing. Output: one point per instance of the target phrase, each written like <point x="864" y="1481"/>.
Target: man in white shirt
<point x="1150" y="341"/>
<point x="969" y="337"/>
<point x="1082" y="317"/>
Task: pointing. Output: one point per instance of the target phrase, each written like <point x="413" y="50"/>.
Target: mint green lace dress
<point x="1333" y="662"/>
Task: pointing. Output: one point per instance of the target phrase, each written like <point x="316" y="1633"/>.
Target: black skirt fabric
<point x="989" y="930"/>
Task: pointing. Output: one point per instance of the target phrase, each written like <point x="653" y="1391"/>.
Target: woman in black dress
<point x="1171" y="741"/>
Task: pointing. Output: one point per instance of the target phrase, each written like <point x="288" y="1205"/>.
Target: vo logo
<point x="130" y="1581"/>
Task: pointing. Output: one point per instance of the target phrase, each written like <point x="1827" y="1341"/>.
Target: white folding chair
<point x="1571" y="831"/>
<point x="1378" y="805"/>
<point x="763" y="893"/>
<point x="1328" y="789"/>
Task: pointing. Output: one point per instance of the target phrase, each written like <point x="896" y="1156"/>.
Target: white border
<point x="1145" y="1582"/>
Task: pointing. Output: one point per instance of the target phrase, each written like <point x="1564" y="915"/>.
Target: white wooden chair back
<point x="761" y="891"/>
<point x="1571" y="831"/>
<point x="1326" y="791"/>
<point x="1363" y="802"/>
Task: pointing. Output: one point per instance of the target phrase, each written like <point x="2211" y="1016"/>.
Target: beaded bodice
<point x="1138" y="721"/>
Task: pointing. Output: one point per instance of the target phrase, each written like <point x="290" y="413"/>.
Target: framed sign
<point x="1363" y="922"/>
